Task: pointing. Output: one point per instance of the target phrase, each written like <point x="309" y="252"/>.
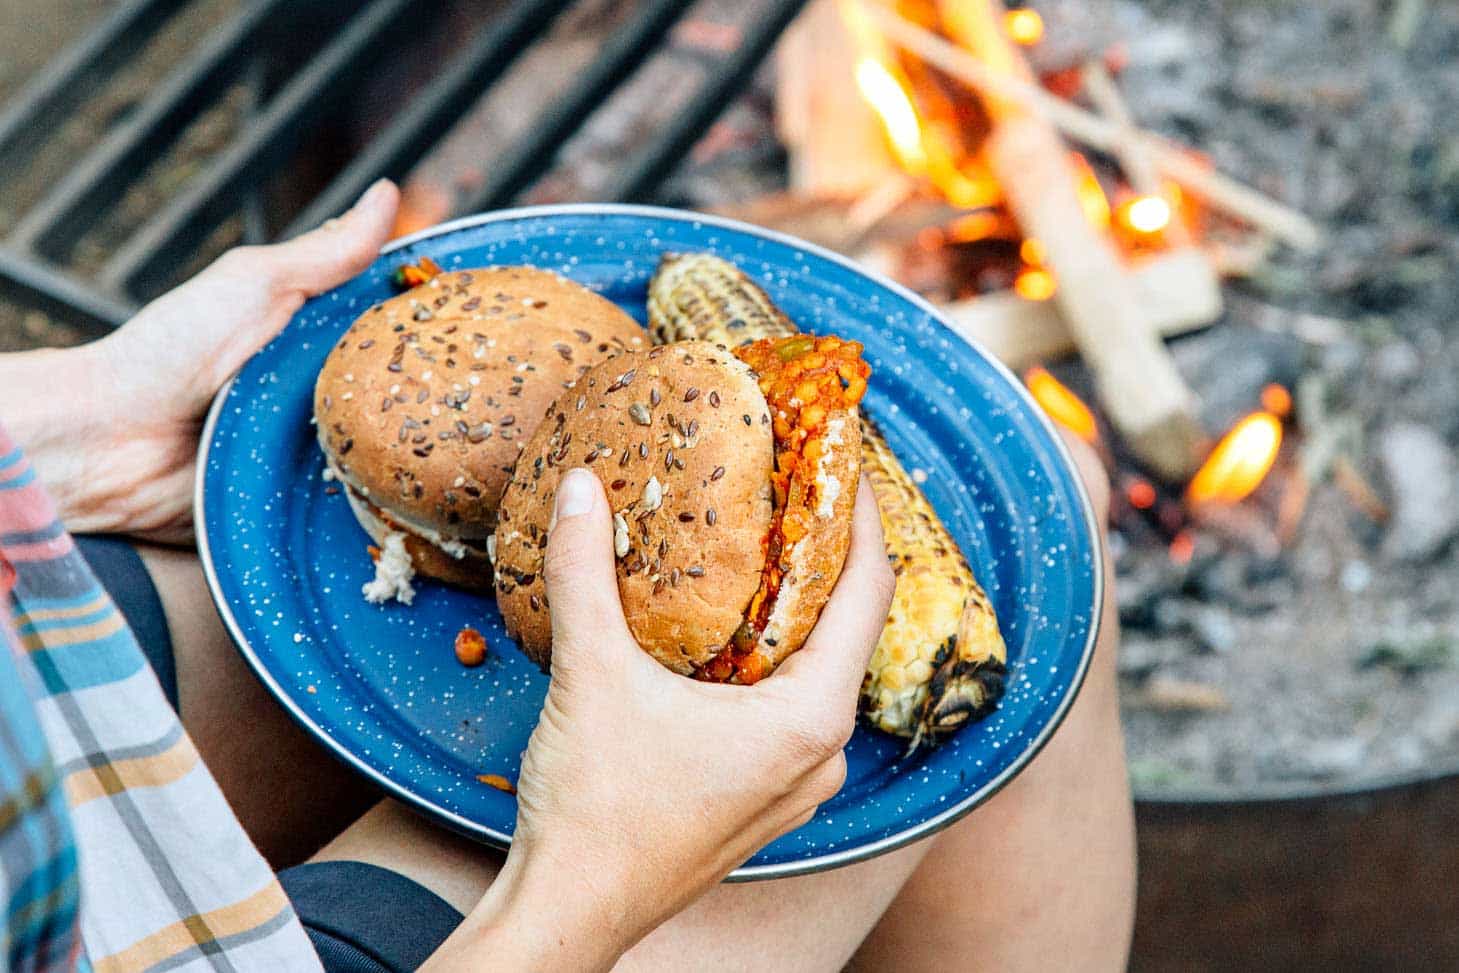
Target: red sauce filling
<point x="804" y="379"/>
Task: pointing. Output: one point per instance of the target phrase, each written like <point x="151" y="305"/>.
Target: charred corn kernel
<point x="940" y="662"/>
<point x="699" y="296"/>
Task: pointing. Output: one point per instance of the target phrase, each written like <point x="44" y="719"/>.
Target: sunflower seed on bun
<point x="424" y="403"/>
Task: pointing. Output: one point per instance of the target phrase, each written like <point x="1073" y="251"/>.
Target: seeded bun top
<point x="680" y="437"/>
<point x="425" y="401"/>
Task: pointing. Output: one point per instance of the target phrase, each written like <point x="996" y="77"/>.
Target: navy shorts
<point x="361" y="918"/>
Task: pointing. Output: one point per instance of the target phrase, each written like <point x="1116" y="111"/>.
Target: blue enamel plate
<point x="380" y="685"/>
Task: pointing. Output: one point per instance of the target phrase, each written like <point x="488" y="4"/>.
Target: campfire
<point x="1010" y="185"/>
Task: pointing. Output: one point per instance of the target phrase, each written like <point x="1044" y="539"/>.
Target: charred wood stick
<point x="1173" y="161"/>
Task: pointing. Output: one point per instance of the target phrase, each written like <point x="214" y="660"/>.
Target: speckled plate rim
<point x="744" y="873"/>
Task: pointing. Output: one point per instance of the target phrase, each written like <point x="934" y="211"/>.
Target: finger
<point x="581" y="579"/>
<point x="332" y="253"/>
<point x="836" y="653"/>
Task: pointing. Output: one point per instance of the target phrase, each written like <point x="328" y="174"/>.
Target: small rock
<point x="1214" y="629"/>
<point x="1356" y="576"/>
<point x="1231" y="365"/>
<point x="1139" y="656"/>
<point x="1396" y="362"/>
<point x="1423" y="477"/>
<point x="1333" y="758"/>
<point x="1157" y="774"/>
<point x="1173" y="694"/>
<point x="1409" y="656"/>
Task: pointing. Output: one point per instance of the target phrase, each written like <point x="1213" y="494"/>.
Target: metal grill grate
<point x="33" y="268"/>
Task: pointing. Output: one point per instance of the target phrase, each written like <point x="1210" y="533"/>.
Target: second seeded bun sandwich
<point x="731" y="476"/>
<point x="424" y="403"/>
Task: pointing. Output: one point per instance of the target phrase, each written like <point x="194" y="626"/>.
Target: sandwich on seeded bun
<point x="731" y="476"/>
<point x="424" y="403"/>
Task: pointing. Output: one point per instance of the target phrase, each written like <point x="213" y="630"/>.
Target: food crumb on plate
<point x="497" y="781"/>
<point x="470" y="647"/>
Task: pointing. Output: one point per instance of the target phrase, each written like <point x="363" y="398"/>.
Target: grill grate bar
<point x="62" y="217"/>
<point x="40" y="284"/>
<point x="676" y="138"/>
<point x="62" y="84"/>
<point x="624" y="52"/>
<point x="228" y="183"/>
<point x="143" y="260"/>
<point x="412" y="134"/>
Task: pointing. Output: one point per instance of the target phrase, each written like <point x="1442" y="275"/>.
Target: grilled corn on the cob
<point x="940" y="661"/>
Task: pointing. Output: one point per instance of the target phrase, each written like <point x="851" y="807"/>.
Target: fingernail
<point x="373" y="194"/>
<point x="574" y="494"/>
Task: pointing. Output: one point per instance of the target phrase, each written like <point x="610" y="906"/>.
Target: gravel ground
<point x="1336" y="664"/>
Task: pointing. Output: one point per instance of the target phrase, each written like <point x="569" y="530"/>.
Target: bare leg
<point x="1043" y="876"/>
<point x="289" y="794"/>
<point x="795" y="924"/>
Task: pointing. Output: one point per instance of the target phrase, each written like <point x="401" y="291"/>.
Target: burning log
<point x="1177" y="291"/>
<point x="1172" y="161"/>
<point x="835" y="143"/>
<point x="1144" y="395"/>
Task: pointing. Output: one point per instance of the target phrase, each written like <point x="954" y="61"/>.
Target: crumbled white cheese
<point x="828" y="488"/>
<point x="328" y="474"/>
<point x="393" y="573"/>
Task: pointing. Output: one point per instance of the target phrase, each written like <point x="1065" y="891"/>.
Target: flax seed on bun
<point x="424" y="403"/>
<point x="683" y="440"/>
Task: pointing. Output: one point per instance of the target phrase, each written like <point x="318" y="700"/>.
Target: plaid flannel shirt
<point x="101" y="789"/>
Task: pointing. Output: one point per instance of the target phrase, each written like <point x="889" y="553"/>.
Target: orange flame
<point x="1240" y="461"/>
<point x="1091" y="194"/>
<point x="1024" y="26"/>
<point x="887" y="95"/>
<point x="1061" y="404"/>
<point x="1034" y="284"/>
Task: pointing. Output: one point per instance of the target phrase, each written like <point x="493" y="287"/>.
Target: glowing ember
<point x="1146" y="214"/>
<point x="1141" y="495"/>
<point x="1061" y="404"/>
<point x="1024" y="26"/>
<point x="1182" y="547"/>
<point x="980" y="225"/>
<point x="1034" y="284"/>
<point x="1032" y="251"/>
<point x="1276" y="400"/>
<point x="1240" y="461"/>
<point x="889" y="99"/>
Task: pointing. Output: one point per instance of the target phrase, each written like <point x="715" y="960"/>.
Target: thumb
<point x="338" y="249"/>
<point x="578" y="570"/>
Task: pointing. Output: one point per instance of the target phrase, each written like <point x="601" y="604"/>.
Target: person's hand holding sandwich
<point x="641" y="788"/>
